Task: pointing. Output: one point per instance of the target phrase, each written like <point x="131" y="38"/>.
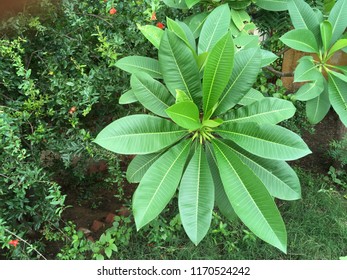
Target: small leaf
<point x="185" y="114"/>
<point x="273" y="5"/>
<point x="340" y="44"/>
<point x="310" y="90"/>
<point x="181" y="96"/>
<point x="191" y="3"/>
<point x="338" y="94"/>
<point x="267" y="57"/>
<point x="301" y="40"/>
<point x="196" y="22"/>
<point x="212" y="123"/>
<point x="318" y="108"/>
<point x="326" y="31"/>
<point x="338" y="19"/>
<point x="128" y="97"/>
<point x="306" y="70"/>
<point x="152" y="33"/>
<point x="179" y="31"/>
<point x="252" y="96"/>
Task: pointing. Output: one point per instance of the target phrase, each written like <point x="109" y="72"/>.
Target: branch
<point x="278" y="73"/>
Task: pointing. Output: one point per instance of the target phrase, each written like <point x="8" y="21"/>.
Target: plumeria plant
<point x="321" y="38"/>
<point x="207" y="134"/>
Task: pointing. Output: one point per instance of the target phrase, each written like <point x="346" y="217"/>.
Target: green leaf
<point x="338" y="94"/>
<point x="139" y="134"/>
<point x="181" y="96"/>
<point x="217" y="73"/>
<point x="304" y="17"/>
<point x="252" y="96"/>
<point x="267" y="57"/>
<point x="108" y="252"/>
<point x="178" y="4"/>
<point x="176" y="28"/>
<point x="306" y="70"/>
<point x="179" y="67"/>
<point x="152" y="94"/>
<point x="317" y="108"/>
<point x="266" y="140"/>
<point x="189" y="35"/>
<point x="215" y="27"/>
<point x="239" y="17"/>
<point x="301" y="40"/>
<point x="134" y="64"/>
<point x="338" y="19"/>
<point x="152" y="33"/>
<point x="128" y="97"/>
<point x="185" y="114"/>
<point x="159" y="184"/>
<point x="278" y="177"/>
<point x="244" y="74"/>
<point x="273" y="5"/>
<point x="267" y="110"/>
<point x="202" y="59"/>
<point x="196" y="22"/>
<point x="249" y="197"/>
<point x="221" y="198"/>
<point x="326" y="31"/>
<point x="212" y="123"/>
<point x="139" y="166"/>
<point x="246" y="41"/>
<point x="340" y="44"/>
<point x="191" y="3"/>
<point x="239" y="4"/>
<point x="310" y="90"/>
<point x="196" y="197"/>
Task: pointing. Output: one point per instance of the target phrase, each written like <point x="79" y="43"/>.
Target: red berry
<point x="113" y="11"/>
<point x="160" y="25"/>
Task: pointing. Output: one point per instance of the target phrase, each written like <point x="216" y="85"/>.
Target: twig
<point x="21" y="239"/>
<point x="278" y="73"/>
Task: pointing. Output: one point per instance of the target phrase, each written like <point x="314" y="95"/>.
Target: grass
<point x="316" y="226"/>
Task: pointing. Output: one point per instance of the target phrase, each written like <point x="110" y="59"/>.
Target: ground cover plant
<point x="64" y="68"/>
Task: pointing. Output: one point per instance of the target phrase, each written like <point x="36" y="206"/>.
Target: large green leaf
<point x="266" y="140"/>
<point x="159" y="184"/>
<point x="139" y="166"/>
<point x="196" y="197"/>
<point x="267" y="110"/>
<point x="215" y="27"/>
<point x="244" y="74"/>
<point x="134" y="64"/>
<point x="273" y="5"/>
<point x="217" y="72"/>
<point x="139" y="134"/>
<point x="249" y="197"/>
<point x="196" y="22"/>
<point x="304" y="17"/>
<point x="179" y="67"/>
<point x="310" y="90"/>
<point x="326" y="31"/>
<point x="185" y="114"/>
<point x="221" y="197"/>
<point x="239" y="17"/>
<point x="318" y="108"/>
<point x="152" y="33"/>
<point x="301" y="40"/>
<point x="306" y="70"/>
<point x="152" y="94"/>
<point x="338" y="94"/>
<point x="338" y="19"/>
<point x="278" y="177"/>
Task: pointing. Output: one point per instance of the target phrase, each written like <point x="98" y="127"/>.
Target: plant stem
<point x="21" y="239"/>
<point x="278" y="73"/>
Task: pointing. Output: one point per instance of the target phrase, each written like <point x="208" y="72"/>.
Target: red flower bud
<point x="154" y="16"/>
<point x="113" y="11"/>
<point x="160" y="25"/>
<point x="14" y="243"/>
